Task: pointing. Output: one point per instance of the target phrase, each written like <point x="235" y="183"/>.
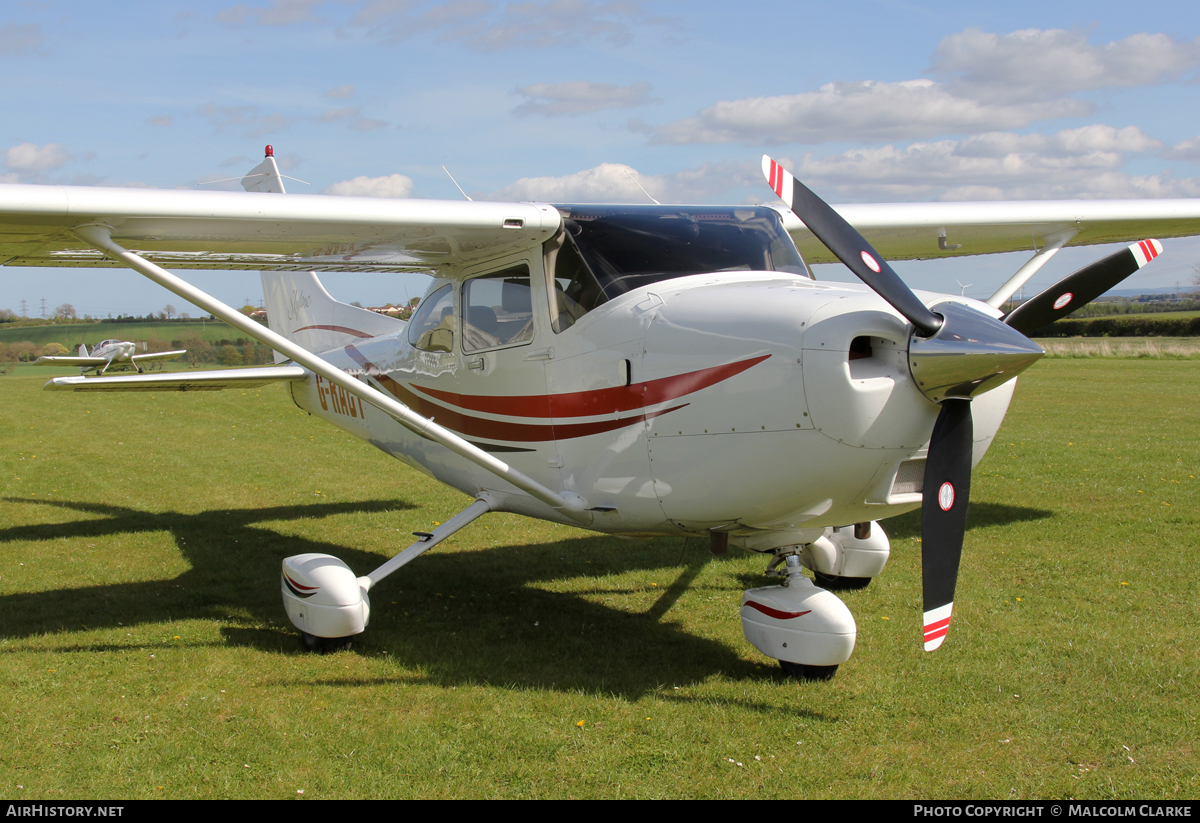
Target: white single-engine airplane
<point x="115" y="354"/>
<point x="637" y="370"/>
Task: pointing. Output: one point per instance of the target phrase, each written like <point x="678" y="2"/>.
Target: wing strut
<point x="483" y="504"/>
<point x="99" y="236"/>
<point x="1041" y="257"/>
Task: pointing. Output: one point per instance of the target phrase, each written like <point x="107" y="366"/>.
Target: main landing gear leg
<point x="330" y="606"/>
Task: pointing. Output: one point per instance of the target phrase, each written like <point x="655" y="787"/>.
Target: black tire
<point x="800" y="671"/>
<point x="326" y="645"/>
<point x="843" y="584"/>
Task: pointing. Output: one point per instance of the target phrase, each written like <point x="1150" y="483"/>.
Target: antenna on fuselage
<point x="455" y="182"/>
<point x="639" y="185"/>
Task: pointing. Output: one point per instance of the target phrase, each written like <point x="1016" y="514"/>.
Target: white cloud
<point x="352" y="115"/>
<point x="28" y="157"/>
<point x="344" y="92"/>
<point x="277" y="13"/>
<point x="254" y="123"/>
<point x="1075" y="163"/>
<point x="395" y="185"/>
<point x="987" y="82"/>
<point x="606" y="183"/>
<point x="1035" y="64"/>
<point x="1187" y="150"/>
<point x="581" y="97"/>
<point x="485" y="26"/>
<point x="18" y="39"/>
<point x="868" y="111"/>
<point x="611" y="183"/>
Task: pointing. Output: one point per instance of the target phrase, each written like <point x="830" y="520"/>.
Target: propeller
<point x="954" y="353"/>
<point x="1081" y="287"/>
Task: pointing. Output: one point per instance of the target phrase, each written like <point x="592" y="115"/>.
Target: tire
<point x="326" y="645"/>
<point x="844" y="584"/>
<point x="800" y="671"/>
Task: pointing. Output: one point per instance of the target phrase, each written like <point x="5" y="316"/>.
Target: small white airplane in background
<point x="637" y="370"/>
<point x="115" y="354"/>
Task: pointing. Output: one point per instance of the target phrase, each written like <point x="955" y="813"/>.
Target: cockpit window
<point x="611" y="250"/>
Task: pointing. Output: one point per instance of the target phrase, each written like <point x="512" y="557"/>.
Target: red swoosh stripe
<point x="597" y="401"/>
<point x="470" y="426"/>
<point x="342" y="329"/>
<point x="769" y="612"/>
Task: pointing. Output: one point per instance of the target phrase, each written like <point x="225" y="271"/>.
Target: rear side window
<point x="432" y="326"/>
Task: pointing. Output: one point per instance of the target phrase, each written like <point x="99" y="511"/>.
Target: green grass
<point x="1172" y="348"/>
<point x="146" y="652"/>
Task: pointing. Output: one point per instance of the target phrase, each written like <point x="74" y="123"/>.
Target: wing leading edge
<point x="235" y="230"/>
<point x="303" y="232"/>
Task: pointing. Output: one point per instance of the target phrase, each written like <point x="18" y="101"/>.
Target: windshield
<point x="629" y="247"/>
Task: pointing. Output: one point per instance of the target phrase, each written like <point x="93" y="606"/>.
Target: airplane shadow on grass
<point x="464" y="617"/>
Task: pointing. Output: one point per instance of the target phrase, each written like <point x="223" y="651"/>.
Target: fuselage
<point x="758" y="403"/>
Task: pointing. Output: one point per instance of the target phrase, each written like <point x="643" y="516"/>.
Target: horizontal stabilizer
<point x="65" y="360"/>
<point x="182" y="381"/>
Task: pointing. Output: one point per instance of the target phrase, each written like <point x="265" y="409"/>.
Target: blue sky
<point x="558" y="99"/>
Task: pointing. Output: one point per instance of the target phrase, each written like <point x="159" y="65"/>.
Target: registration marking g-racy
<point x="335" y="398"/>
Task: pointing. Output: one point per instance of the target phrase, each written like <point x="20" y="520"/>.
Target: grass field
<point x="72" y="334"/>
<point x="1121" y="347"/>
<point x="146" y="652"/>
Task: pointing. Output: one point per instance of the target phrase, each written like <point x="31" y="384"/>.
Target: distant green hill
<point x="72" y="334"/>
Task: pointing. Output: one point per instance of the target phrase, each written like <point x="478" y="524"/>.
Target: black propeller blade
<point x="849" y="246"/>
<point x="1082" y="287"/>
<point x="945" y="492"/>
<point x="952" y="357"/>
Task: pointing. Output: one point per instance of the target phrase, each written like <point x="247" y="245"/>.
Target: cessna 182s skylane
<point x="634" y="370"/>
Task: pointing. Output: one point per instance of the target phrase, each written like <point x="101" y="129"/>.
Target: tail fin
<point x="83" y="352"/>
<point x="299" y="308"/>
<point x="265" y="176"/>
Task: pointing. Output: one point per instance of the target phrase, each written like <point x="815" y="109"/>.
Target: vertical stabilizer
<point x="265" y="176"/>
<point x="299" y="308"/>
<point x="83" y="352"/>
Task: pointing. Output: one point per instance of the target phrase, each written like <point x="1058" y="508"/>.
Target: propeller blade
<point x="1082" y="287"/>
<point x="946" y="490"/>
<point x="849" y="246"/>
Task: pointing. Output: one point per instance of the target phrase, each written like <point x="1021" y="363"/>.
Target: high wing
<point x="921" y="231"/>
<point x="298" y="232"/>
<point x="234" y="230"/>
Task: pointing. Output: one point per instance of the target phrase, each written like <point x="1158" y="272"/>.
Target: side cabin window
<point x="497" y="310"/>
<point x="606" y="251"/>
<point x="432" y="326"/>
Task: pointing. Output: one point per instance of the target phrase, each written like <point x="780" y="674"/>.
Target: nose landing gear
<point x="806" y="628"/>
